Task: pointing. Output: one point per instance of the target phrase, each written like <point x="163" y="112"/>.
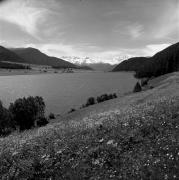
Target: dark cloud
<point x="1" y="1"/>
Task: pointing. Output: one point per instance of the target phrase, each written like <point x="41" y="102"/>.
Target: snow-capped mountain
<point x="88" y="60"/>
<point x="95" y="63"/>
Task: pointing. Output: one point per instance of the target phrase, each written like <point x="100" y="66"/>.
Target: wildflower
<point x="96" y="162"/>
<point x="166" y="176"/>
<point x="111" y="142"/>
<point x="59" y="152"/>
<point x="45" y="157"/>
<point x="101" y="140"/>
<point x="14" y="153"/>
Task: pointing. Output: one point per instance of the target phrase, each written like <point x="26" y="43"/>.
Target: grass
<point x="134" y="142"/>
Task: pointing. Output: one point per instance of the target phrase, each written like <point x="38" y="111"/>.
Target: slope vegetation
<point x="163" y="62"/>
<point x="132" y="137"/>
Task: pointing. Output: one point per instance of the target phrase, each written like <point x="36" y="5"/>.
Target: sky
<point x="104" y="30"/>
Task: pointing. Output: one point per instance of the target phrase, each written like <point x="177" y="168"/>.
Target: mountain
<point x="92" y="63"/>
<point x="85" y="67"/>
<point x="101" y="66"/>
<point x="34" y="56"/>
<point x="7" y="55"/>
<point x="163" y="62"/>
<point x="132" y="64"/>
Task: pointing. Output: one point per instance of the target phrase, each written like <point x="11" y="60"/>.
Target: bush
<point x="137" y="87"/>
<point x="25" y="111"/>
<point x="90" y="101"/>
<point x="106" y="97"/>
<point x="6" y="123"/>
<point x="144" y="82"/>
<point x="51" y="116"/>
<point x="72" y="110"/>
<point x="114" y="95"/>
<point x="42" y="121"/>
<point x="102" y="98"/>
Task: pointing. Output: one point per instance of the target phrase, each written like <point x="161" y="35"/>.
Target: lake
<point x="62" y="92"/>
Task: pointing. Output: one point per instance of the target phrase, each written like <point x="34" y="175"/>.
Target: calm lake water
<point x="62" y="92"/>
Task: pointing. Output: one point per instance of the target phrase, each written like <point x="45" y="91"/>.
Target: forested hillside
<point x="163" y="62"/>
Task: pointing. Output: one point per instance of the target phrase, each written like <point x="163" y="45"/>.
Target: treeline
<point x="166" y="61"/>
<point x="23" y="114"/>
<point x="5" y="65"/>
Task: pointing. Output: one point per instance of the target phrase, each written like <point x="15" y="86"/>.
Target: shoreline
<point x="11" y="72"/>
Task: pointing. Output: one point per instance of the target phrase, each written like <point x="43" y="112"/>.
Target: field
<point x="132" y="137"/>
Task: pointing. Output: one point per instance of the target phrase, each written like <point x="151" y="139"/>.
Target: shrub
<point x="26" y="111"/>
<point x="102" y="98"/>
<point x="6" y="123"/>
<point x="106" y="97"/>
<point x="137" y="87"/>
<point x="110" y="96"/>
<point x="51" y="116"/>
<point x="42" y="121"/>
<point x="90" y="101"/>
<point x="144" y="82"/>
<point x="114" y="95"/>
<point x="72" y="110"/>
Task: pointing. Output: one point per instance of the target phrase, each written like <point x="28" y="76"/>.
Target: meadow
<point x="136" y="140"/>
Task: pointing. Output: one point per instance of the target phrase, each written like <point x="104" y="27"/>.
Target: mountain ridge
<point x="165" y="61"/>
<point x="7" y="55"/>
<point x="35" y="56"/>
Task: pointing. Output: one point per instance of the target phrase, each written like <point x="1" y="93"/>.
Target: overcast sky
<point x="100" y="29"/>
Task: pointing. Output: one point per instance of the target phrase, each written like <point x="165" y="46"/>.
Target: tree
<point x="90" y="101"/>
<point x="137" y="87"/>
<point x="6" y="123"/>
<point x="26" y="111"/>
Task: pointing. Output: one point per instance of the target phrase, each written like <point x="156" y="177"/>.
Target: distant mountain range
<point x="163" y="62"/>
<point x="89" y="62"/>
<point x="100" y="66"/>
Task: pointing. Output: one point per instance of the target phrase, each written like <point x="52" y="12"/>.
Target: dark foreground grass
<point x="140" y="142"/>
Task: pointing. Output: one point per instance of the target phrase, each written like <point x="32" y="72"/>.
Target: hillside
<point x="131" y="137"/>
<point x="7" y="55"/>
<point x="163" y="62"/>
<point x="132" y="64"/>
<point x="34" y="56"/>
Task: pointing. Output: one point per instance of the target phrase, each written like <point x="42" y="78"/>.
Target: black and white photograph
<point x="89" y="89"/>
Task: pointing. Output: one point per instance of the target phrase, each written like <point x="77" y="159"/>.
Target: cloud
<point x="23" y="14"/>
<point x="167" y="23"/>
<point x="127" y="28"/>
<point x="135" y="30"/>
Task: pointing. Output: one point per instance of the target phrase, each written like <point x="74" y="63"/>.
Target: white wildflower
<point x="59" y="152"/>
<point x="96" y="162"/>
<point x="110" y="142"/>
<point x="101" y="140"/>
<point x="14" y="153"/>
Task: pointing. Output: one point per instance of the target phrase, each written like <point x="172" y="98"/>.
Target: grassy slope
<point x="132" y="137"/>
